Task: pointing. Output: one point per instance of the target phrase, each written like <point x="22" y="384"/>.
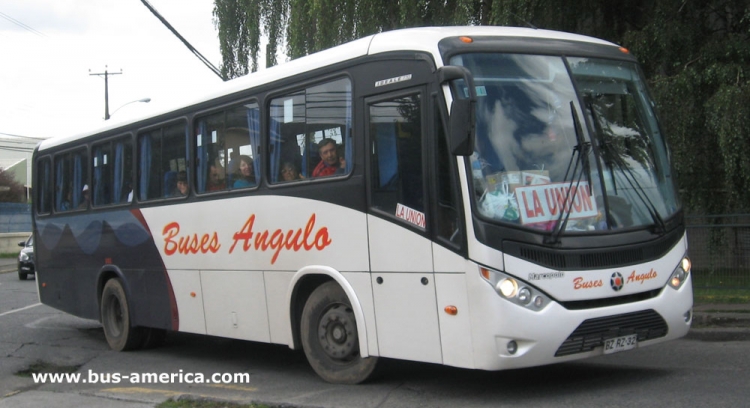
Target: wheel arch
<point x="303" y="283"/>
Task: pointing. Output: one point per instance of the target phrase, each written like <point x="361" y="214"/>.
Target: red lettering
<point x="538" y="210"/>
<point x="170" y="230"/>
<point x="261" y="241"/>
<point x="579" y="283"/>
<point x="561" y="196"/>
<point x="529" y="212"/>
<point x="189" y="244"/>
<point x="308" y="231"/>
<point x="583" y="191"/>
<point x="245" y="235"/>
<point x="292" y="240"/>
<point x="322" y="239"/>
<point x="551" y="202"/>
<point x="278" y="241"/>
<point x="642" y="277"/>
<point x="577" y="202"/>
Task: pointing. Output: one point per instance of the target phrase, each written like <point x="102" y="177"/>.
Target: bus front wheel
<point x="329" y="337"/>
<point x="115" y="315"/>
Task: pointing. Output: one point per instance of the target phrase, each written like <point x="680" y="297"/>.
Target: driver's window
<point x="396" y="158"/>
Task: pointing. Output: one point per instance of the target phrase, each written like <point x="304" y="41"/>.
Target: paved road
<point x="686" y="372"/>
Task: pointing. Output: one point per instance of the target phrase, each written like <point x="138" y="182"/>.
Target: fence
<point x="15" y="217"/>
<point x="719" y="247"/>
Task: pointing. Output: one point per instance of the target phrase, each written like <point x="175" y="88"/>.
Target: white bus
<point x="479" y="197"/>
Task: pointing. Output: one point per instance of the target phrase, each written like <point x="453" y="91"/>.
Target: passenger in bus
<point x="66" y="204"/>
<point x="289" y="172"/>
<point x="331" y="162"/>
<point x="182" y="185"/>
<point x="215" y="181"/>
<point x="84" y="197"/>
<point x="245" y="176"/>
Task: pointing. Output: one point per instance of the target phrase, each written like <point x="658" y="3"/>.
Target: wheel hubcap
<point x="337" y="333"/>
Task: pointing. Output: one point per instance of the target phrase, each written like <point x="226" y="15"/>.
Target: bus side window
<point x="242" y="138"/>
<point x="162" y="155"/>
<point x="300" y="121"/>
<point x="71" y="181"/>
<point x="101" y="164"/>
<point x="396" y="156"/>
<point x="226" y="149"/>
<point x="44" y="184"/>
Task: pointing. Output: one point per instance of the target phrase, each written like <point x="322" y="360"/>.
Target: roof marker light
<point x="467" y="40"/>
<point x="624" y="50"/>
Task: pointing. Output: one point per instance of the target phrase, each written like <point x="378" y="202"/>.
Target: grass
<point x="9" y="255"/>
<point x="190" y="403"/>
<point x="45" y="367"/>
<point x="720" y="296"/>
<point x="721" y="286"/>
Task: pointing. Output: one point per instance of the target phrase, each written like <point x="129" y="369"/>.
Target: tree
<point x="11" y="191"/>
<point x="695" y="54"/>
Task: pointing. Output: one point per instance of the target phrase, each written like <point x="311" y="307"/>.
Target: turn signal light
<point x="451" y="310"/>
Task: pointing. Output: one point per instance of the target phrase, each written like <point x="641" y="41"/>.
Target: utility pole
<point x="106" y="88"/>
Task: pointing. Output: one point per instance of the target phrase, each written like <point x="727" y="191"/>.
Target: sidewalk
<point x="722" y="315"/>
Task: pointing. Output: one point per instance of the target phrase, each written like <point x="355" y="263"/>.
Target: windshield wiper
<point x="582" y="152"/>
<point x="606" y="145"/>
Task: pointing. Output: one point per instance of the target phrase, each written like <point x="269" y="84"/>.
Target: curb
<point x="721" y="320"/>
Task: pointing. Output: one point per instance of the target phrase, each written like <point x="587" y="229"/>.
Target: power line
<point x="184" y="41"/>
<point x="22" y="25"/>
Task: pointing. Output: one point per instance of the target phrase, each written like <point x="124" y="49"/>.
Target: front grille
<point x="612" y="301"/>
<point x="593" y="332"/>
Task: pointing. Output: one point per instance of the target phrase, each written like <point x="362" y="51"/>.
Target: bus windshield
<point x="567" y="144"/>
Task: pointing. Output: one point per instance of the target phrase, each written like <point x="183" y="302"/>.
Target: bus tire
<point x="329" y="337"/>
<point x="115" y="314"/>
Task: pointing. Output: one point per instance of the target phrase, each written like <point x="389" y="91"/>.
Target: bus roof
<point x="424" y="39"/>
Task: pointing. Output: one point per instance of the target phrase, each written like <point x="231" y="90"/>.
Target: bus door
<point x="401" y="260"/>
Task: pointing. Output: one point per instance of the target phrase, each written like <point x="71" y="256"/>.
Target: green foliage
<point x="695" y="54"/>
<point x="11" y="191"/>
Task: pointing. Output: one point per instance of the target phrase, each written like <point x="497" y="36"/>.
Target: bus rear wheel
<point x="329" y="337"/>
<point x="115" y="314"/>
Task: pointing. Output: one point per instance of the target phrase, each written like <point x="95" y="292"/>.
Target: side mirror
<point x="22" y="244"/>
<point x="461" y="122"/>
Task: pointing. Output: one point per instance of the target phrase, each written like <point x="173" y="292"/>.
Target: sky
<point x="49" y="48"/>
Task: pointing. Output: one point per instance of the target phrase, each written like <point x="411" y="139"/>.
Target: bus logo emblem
<point x="616" y="281"/>
<point x="395" y="80"/>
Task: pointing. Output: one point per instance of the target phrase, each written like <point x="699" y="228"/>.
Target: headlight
<point x="681" y="273"/>
<point x="514" y="290"/>
<point x="23" y="257"/>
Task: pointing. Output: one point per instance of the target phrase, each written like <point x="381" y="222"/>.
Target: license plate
<point x="620" y="344"/>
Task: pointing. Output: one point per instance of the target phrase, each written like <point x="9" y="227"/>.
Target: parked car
<point x="26" y="259"/>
